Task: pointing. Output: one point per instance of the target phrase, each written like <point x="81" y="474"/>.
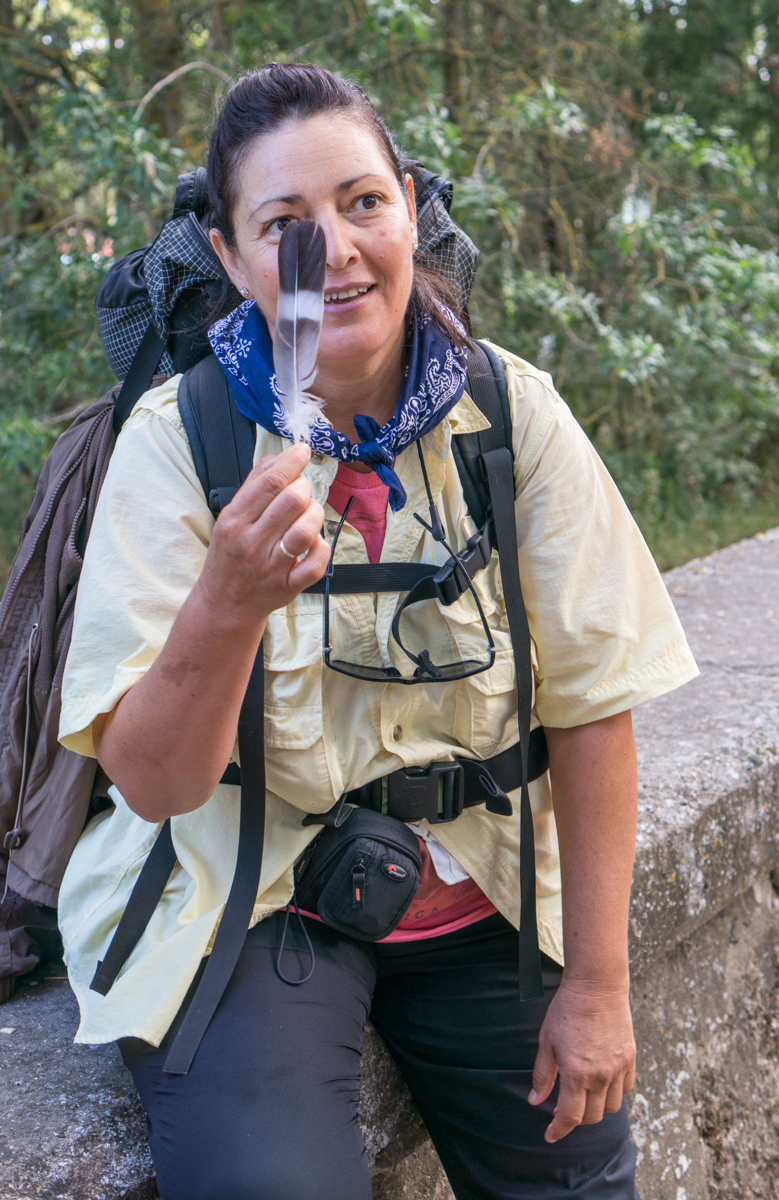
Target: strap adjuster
<point x="435" y="793"/>
<point x="219" y="498"/>
<point x="475" y="556"/>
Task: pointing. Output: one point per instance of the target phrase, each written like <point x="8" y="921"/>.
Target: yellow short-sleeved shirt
<point x="605" y="638"/>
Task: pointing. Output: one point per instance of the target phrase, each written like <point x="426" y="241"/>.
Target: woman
<point x="521" y="1099"/>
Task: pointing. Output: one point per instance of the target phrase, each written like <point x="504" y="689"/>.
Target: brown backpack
<point x="150" y="308"/>
<point x="37" y="774"/>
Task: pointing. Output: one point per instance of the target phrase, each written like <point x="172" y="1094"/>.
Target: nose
<point x="341" y="250"/>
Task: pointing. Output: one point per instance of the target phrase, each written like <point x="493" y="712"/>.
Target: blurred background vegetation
<point x="615" y="160"/>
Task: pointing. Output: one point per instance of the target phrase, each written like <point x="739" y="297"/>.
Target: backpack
<point x="150" y="311"/>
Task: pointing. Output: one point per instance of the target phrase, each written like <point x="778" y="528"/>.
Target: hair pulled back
<point x="259" y="104"/>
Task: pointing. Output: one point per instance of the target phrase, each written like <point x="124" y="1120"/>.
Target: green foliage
<point x="615" y="160"/>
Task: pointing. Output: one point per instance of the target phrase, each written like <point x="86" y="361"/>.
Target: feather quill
<point x="299" y="315"/>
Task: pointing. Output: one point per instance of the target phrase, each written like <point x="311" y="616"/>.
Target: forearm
<point x="587" y="1035"/>
<point x="169" y="739"/>
<point x="594" y="791"/>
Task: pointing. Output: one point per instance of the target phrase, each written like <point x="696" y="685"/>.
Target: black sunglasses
<point x="426" y="671"/>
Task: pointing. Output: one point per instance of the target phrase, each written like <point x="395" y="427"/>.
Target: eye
<point x="278" y="225"/>
<point x="368" y="203"/>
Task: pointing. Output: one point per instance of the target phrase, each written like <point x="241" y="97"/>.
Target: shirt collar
<point x="466" y="417"/>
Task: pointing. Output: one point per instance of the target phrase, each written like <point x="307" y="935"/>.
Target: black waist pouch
<point x="361" y="876"/>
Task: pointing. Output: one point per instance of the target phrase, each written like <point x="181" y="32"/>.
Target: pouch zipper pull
<point x="358" y="884"/>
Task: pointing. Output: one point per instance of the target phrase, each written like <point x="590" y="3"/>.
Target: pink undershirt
<point x="438" y="907"/>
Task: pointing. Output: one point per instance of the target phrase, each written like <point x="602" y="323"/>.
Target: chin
<point x="352" y="343"/>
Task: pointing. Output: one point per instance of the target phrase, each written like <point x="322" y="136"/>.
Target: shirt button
<point x="397" y="733"/>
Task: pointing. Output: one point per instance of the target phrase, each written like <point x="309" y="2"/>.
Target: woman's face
<point x="330" y="169"/>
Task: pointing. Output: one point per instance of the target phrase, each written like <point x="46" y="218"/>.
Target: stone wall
<point x="704" y="949"/>
<point x="704" y="915"/>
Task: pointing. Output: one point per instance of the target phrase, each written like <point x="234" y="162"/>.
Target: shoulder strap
<point x="486" y="384"/>
<point x="231" y="933"/>
<point x="488" y="463"/>
<point x="221" y="438"/>
<point x="138" y="378"/>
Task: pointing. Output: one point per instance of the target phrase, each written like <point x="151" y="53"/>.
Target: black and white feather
<point x="299" y="315"/>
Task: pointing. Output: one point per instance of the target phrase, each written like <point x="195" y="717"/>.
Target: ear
<point x="411" y="204"/>
<point x="230" y="260"/>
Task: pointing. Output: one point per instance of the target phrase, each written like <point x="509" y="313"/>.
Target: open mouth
<point x="345" y="295"/>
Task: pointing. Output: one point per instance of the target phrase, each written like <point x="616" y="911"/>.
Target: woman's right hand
<point x="247" y="573"/>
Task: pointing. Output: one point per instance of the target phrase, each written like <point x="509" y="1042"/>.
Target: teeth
<point x="347" y="295"/>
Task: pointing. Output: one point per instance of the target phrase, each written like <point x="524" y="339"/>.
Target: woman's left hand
<point x="587" y="1037"/>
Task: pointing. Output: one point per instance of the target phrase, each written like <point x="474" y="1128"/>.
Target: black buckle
<point x="435" y="793"/>
<point x="475" y="556"/>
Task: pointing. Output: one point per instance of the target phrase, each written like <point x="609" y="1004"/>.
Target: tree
<point x="615" y="160"/>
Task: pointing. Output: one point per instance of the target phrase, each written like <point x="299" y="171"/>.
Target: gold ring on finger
<point x="286" y="552"/>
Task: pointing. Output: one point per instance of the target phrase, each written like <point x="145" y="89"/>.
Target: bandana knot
<point x="371" y="452"/>
<point x="433" y="382"/>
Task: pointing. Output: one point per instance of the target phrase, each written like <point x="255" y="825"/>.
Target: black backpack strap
<point x="233" y="927"/>
<point x="221" y="438"/>
<point x="486" y="385"/>
<point x="485" y="462"/>
<point x="138" y="378"/>
<point x="499" y="467"/>
<point x="144" y="898"/>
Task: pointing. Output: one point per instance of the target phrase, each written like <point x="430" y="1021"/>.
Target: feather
<point x="299" y="314"/>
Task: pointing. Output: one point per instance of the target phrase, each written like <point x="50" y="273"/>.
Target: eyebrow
<point x="296" y="198"/>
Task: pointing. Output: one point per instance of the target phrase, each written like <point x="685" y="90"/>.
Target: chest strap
<point x="422" y="581"/>
<point x="440" y="791"/>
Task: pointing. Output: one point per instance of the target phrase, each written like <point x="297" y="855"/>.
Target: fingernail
<point x="533" y="1097"/>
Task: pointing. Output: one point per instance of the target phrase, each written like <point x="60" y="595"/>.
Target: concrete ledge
<point x="704" y="915"/>
<point x="72" y="1127"/>
<point x="704" y="944"/>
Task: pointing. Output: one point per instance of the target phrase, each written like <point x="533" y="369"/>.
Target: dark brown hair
<point x="260" y="103"/>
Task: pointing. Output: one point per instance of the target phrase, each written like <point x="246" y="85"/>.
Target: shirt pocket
<point x="293" y="676"/>
<point x="485" y="712"/>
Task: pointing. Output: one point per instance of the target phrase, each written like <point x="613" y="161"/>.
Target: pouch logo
<point x="394" y="871"/>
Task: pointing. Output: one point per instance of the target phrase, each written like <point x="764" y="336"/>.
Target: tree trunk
<point x="160" y="48"/>
<point x="453" y="18"/>
<point x="15" y="125"/>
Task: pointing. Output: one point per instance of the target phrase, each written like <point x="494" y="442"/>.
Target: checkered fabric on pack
<point x="180" y="258"/>
<point x="445" y="247"/>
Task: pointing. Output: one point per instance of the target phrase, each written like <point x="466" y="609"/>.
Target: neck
<point x="365" y="387"/>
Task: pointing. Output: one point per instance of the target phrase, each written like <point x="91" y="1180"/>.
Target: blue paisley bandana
<point x="433" y="382"/>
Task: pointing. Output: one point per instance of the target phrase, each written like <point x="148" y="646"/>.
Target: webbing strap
<point x="144" y="898"/>
<point x="138" y="378"/>
<point x="361" y="578"/>
<point x="226" y="437"/>
<point x="231" y="934"/>
<point x="499" y="466"/>
<point x="489" y="393"/>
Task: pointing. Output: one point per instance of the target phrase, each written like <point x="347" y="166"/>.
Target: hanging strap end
<point x="102" y="982"/>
